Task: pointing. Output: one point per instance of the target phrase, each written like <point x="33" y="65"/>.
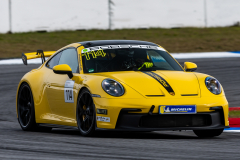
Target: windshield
<point x="109" y="59"/>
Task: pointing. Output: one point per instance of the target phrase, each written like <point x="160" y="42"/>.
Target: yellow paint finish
<point x="62" y="67"/>
<point x="185" y="83"/>
<point x="63" y="113"/>
<point x="34" y="55"/>
<point x="94" y="84"/>
<point x="189" y="65"/>
<point x="138" y="81"/>
<point x="36" y="79"/>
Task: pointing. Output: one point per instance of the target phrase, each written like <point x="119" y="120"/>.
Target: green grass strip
<point x="174" y="40"/>
<point x="234" y="114"/>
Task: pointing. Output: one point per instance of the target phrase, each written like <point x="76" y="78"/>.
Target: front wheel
<point x="86" y="118"/>
<point x="26" y="112"/>
<point x="208" y="133"/>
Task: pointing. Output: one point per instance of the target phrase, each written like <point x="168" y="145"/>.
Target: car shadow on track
<point x="145" y="135"/>
<point x="133" y="135"/>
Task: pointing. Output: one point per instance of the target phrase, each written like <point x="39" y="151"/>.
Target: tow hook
<point x="151" y="110"/>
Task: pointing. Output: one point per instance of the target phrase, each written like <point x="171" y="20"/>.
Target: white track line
<point x="231" y="130"/>
<point x="175" y="55"/>
<point x="205" y="55"/>
<point x="19" y="61"/>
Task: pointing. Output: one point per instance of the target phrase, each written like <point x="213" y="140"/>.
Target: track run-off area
<point x="69" y="144"/>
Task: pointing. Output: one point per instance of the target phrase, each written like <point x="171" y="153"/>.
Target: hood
<point x="158" y="83"/>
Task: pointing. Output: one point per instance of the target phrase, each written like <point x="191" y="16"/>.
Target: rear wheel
<point x="26" y="112"/>
<point x="208" y="133"/>
<point x="86" y="113"/>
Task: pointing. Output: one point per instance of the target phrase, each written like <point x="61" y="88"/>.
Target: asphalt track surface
<point x="69" y="144"/>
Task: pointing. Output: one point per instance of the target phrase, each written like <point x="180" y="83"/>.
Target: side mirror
<point x="63" y="69"/>
<point x="190" y="67"/>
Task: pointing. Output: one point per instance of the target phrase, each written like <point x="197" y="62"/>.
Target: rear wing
<point x="38" y="54"/>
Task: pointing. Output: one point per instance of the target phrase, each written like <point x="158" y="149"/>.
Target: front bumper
<point x="145" y="122"/>
<point x="120" y="120"/>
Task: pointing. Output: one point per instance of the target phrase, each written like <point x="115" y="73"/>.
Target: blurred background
<point x="177" y="25"/>
<point x="52" y="15"/>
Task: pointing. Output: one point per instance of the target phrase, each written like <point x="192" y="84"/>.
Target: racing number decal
<point x="68" y="95"/>
<point x="93" y="53"/>
<point x="68" y="91"/>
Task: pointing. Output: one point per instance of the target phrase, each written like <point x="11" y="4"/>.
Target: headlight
<point x="112" y="87"/>
<point x="213" y="85"/>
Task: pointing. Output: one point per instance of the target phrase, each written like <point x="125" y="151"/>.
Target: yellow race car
<point x="122" y="85"/>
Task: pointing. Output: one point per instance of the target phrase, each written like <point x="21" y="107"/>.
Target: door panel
<point x="62" y="95"/>
<point x="62" y="111"/>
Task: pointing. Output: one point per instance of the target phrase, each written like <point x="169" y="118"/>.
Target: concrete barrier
<point x="158" y="13"/>
<point x="221" y="13"/>
<point x="4" y="16"/>
<point x="52" y="15"/>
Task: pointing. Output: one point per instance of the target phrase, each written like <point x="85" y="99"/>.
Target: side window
<point x="54" y="61"/>
<point x="69" y="57"/>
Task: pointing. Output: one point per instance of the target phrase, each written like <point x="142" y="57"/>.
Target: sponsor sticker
<point x="98" y="50"/>
<point x="103" y="119"/>
<point x="91" y="70"/>
<point x="159" y="48"/>
<point x="85" y="50"/>
<point x="68" y="91"/>
<point x="177" y="109"/>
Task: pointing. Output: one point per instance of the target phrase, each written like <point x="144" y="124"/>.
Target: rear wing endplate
<point x="38" y="54"/>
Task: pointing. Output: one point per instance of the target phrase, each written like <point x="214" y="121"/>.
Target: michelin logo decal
<point x="177" y="109"/>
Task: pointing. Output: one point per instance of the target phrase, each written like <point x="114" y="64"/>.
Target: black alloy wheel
<point x="208" y="133"/>
<point x="26" y="112"/>
<point x="86" y="113"/>
<point x="25" y="109"/>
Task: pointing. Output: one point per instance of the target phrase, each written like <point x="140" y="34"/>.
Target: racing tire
<point x="26" y="111"/>
<point x="208" y="133"/>
<point x="85" y="114"/>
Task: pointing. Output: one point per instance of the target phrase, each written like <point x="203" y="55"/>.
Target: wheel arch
<point x="80" y="91"/>
<point x="84" y="87"/>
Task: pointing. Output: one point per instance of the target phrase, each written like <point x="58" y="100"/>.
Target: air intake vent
<point x="184" y="120"/>
<point x="189" y="94"/>
<point x="154" y="95"/>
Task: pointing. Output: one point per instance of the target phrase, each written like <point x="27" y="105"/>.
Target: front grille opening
<point x="190" y="120"/>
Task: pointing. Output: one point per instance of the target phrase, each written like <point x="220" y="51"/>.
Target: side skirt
<point x="56" y="126"/>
